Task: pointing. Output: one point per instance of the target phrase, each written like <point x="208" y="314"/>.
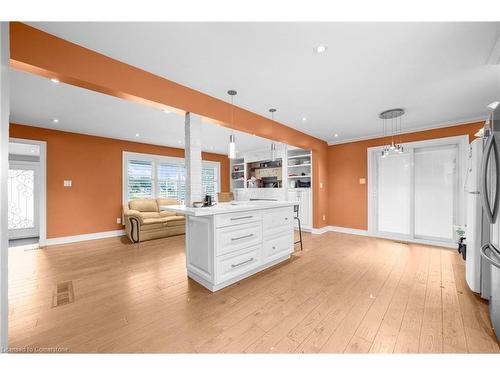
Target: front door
<point x="23" y="200"/>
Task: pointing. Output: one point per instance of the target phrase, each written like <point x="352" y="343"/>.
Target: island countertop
<point x="226" y="208"/>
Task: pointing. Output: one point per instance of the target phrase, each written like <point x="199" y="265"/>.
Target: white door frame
<point x="4" y="173"/>
<point x="462" y="142"/>
<point x="42" y="180"/>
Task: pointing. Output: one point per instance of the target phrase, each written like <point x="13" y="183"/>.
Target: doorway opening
<point x="26" y="193"/>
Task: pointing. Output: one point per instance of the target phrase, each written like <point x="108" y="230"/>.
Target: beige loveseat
<point x="144" y="221"/>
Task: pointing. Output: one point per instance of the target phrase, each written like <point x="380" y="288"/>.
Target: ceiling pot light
<point x="336" y="135"/>
<point x="320" y="49"/>
<point x="55" y="120"/>
<point x="137" y="134"/>
<point x="231" y="152"/>
<point x="54" y="80"/>
<point x="166" y="111"/>
<point x="304" y="118"/>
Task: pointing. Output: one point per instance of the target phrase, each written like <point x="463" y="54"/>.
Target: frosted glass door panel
<point x="394" y="194"/>
<point x="435" y="192"/>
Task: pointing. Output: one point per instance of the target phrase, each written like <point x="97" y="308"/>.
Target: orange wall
<point x="94" y="164"/>
<point x="347" y="163"/>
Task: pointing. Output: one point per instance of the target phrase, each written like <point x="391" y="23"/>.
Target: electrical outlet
<point x="118" y="220"/>
<point x="321" y="185"/>
<point x="324" y="217"/>
<point x="362" y="181"/>
<point x="68" y="183"/>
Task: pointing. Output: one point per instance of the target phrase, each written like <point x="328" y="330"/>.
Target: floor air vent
<point x="63" y="294"/>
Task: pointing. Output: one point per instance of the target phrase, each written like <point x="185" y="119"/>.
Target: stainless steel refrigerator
<point x="490" y="197"/>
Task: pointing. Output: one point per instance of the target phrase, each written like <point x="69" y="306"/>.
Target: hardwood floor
<point x="343" y="293"/>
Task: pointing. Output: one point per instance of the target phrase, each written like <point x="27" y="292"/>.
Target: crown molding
<point x="412" y="130"/>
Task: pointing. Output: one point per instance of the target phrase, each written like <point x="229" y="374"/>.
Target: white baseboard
<point x="320" y="230"/>
<point x="363" y="232"/>
<point x="83" y="237"/>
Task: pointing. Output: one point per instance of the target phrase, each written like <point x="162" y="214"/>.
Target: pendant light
<point x="392" y="117"/>
<point x="232" y="139"/>
<point x="273" y="145"/>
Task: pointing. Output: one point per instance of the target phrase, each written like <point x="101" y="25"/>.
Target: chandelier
<point x="391" y="122"/>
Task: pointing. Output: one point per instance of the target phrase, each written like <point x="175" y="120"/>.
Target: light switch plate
<point x="118" y="220"/>
<point x="362" y="181"/>
<point x="68" y="183"/>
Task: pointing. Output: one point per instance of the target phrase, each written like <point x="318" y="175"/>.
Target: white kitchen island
<point x="231" y="241"/>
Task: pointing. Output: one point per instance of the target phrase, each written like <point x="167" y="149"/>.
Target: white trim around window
<point x="156" y="160"/>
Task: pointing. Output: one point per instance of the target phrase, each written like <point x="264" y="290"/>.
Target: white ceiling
<point x="436" y="71"/>
<point x="37" y="101"/>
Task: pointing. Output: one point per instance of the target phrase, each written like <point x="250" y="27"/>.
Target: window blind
<point x="209" y="181"/>
<point x="140" y="179"/>
<point x="169" y="181"/>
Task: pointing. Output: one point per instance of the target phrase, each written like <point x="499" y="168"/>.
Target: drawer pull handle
<point x="274" y="247"/>
<point x="240" y="238"/>
<point x="286" y="218"/>
<point x="241" y="217"/>
<point x="241" y="263"/>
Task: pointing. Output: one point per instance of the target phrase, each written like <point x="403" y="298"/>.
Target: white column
<point x="4" y="172"/>
<point x="192" y="135"/>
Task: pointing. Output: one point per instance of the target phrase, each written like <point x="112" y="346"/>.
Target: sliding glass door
<point x="436" y="186"/>
<point x="416" y="195"/>
<point x="394" y="191"/>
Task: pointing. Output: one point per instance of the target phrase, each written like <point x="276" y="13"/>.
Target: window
<point x="154" y="176"/>
<point x="169" y="181"/>
<point x="140" y="179"/>
<point x="210" y="180"/>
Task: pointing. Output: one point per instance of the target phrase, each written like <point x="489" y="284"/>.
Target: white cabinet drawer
<point x="276" y="247"/>
<point x="238" y="237"/>
<point x="225" y="220"/>
<point x="235" y="264"/>
<point x="277" y="221"/>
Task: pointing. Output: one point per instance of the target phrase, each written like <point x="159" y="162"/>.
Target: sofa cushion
<point x="175" y="220"/>
<point x="166" y="202"/>
<point x="166" y="213"/>
<point x="150" y="215"/>
<point x="143" y="205"/>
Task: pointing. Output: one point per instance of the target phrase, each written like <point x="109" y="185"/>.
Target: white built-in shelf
<point x="299" y="165"/>
<point x="299" y="156"/>
<point x="238" y="164"/>
<point x="306" y="176"/>
<point x="238" y="171"/>
<point x="238" y="179"/>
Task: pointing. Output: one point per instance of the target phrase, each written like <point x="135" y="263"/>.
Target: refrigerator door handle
<point x="486" y="256"/>
<point x="490" y="212"/>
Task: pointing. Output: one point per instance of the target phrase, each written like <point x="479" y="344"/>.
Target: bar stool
<point x="296" y="216"/>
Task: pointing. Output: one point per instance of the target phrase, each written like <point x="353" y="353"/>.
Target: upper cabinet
<point x="299" y="168"/>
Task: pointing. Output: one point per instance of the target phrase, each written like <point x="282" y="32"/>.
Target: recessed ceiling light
<point x="335" y="135"/>
<point x="54" y="80"/>
<point x="304" y="118"/>
<point x="137" y="134"/>
<point x="493" y="105"/>
<point x="55" y="120"/>
<point x="179" y="142"/>
<point x="320" y="48"/>
<point x="165" y="110"/>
